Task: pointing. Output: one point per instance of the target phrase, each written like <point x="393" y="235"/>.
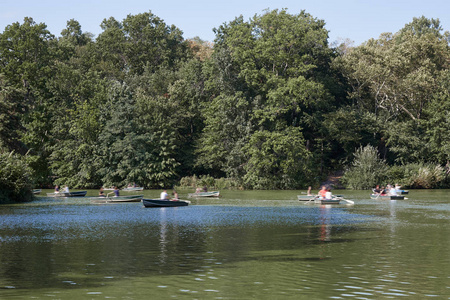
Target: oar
<point x="348" y="201"/>
<point x="313" y="198"/>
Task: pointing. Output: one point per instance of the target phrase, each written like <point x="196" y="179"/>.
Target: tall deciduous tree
<point x="395" y="75"/>
<point x="273" y="77"/>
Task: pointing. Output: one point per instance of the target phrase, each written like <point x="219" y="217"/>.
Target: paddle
<point x="348" y="201"/>
<point x="313" y="198"/>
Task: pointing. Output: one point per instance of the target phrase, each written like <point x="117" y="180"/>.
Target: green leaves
<point x="276" y="160"/>
<point x="367" y="169"/>
<point x="15" y="178"/>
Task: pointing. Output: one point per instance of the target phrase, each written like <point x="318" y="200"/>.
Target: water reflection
<point x="163" y="236"/>
<point x="325" y="228"/>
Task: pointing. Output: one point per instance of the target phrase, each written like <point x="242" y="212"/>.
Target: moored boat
<point x="387" y="197"/>
<point x="69" y="194"/>
<point x="116" y="199"/>
<point x="164" y="203"/>
<point x="205" y="194"/>
<point x="37" y="191"/>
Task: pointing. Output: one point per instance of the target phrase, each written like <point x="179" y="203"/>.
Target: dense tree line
<point x="270" y="104"/>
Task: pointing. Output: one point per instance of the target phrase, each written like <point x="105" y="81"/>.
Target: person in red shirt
<point x="323" y="191"/>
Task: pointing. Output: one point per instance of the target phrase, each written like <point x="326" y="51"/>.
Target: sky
<point x="356" y="20"/>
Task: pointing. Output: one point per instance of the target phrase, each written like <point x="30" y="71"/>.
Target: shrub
<point x="366" y="170"/>
<point x="15" y="178"/>
<point x="421" y="175"/>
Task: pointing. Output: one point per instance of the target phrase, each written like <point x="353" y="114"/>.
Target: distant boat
<point x="164" y="203"/>
<point x="387" y="197"/>
<point x="70" y="194"/>
<point x="37" y="191"/>
<point x="305" y="197"/>
<point x="118" y="199"/>
<point x="204" y="194"/>
<point x="319" y="200"/>
<point x="403" y="192"/>
<point x="133" y="189"/>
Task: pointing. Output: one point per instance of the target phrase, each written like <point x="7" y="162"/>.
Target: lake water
<point x="243" y="245"/>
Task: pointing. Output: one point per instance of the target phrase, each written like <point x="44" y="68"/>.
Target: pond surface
<point x="243" y="245"/>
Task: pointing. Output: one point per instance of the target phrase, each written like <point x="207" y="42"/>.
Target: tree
<point x="277" y="160"/>
<point x="268" y="75"/>
<point x="27" y="53"/>
<point x="437" y="123"/>
<point x="15" y="178"/>
<point x="11" y="109"/>
<point x="140" y="42"/>
<point x="395" y="76"/>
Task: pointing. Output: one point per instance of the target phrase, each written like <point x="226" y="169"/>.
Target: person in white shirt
<point x="164" y="195"/>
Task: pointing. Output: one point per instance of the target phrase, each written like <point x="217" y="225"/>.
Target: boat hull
<point x="164" y="203"/>
<point x="387" y="197"/>
<point x="37" y="191"/>
<point x="204" y="194"/>
<point x="330" y="201"/>
<point x="65" y="195"/>
<point x="305" y="198"/>
<point x="335" y="200"/>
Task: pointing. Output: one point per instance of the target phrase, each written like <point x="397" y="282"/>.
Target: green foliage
<point x="366" y="171"/>
<point x="138" y="43"/>
<point x="405" y="139"/>
<point x="25" y="52"/>
<point x="347" y="128"/>
<point x="15" y="178"/>
<point x="264" y="107"/>
<point x="424" y="175"/>
<point x="395" y="76"/>
<point x="10" y="115"/>
<point x="276" y="160"/>
<point x="437" y="123"/>
<point x="271" y="75"/>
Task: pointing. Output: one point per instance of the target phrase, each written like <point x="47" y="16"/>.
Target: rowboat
<point x="133" y="189"/>
<point x="70" y="194"/>
<point x="320" y="200"/>
<point x="387" y="197"/>
<point x="330" y="201"/>
<point x="37" y="191"/>
<point x="204" y="194"/>
<point x="305" y="198"/>
<point x="164" y="203"/>
<point x="116" y="199"/>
